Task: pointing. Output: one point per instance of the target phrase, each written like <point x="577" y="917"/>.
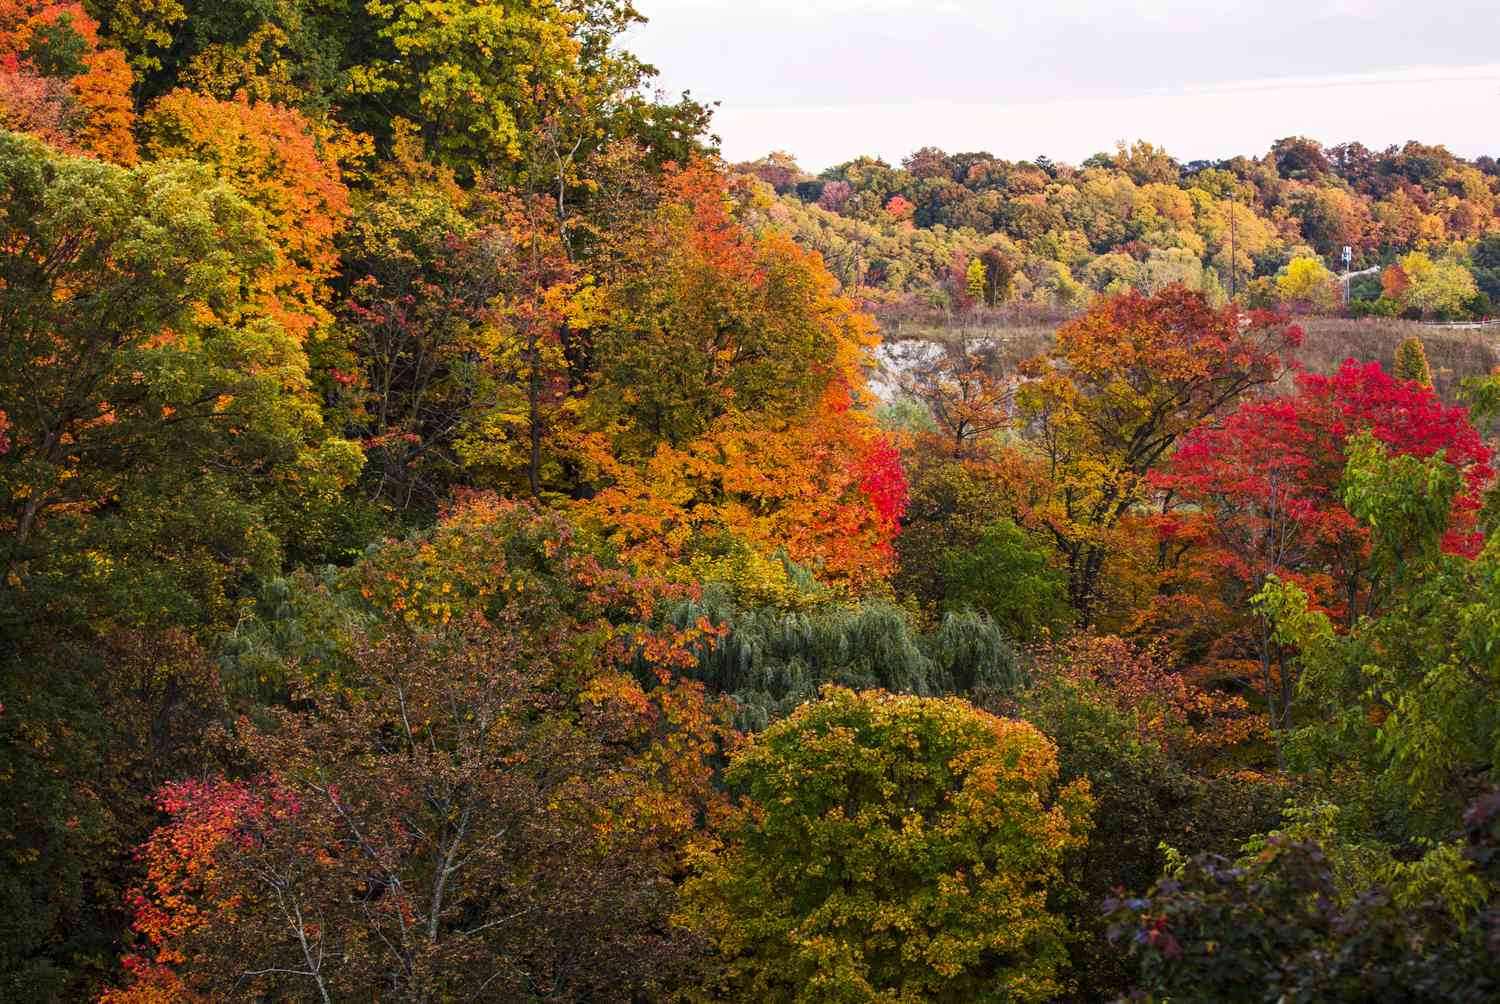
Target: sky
<point x="829" y="80"/>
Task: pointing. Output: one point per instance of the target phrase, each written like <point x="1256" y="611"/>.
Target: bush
<point x="1277" y="926"/>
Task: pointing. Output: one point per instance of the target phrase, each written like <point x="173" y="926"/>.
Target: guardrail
<point x="1487" y="323"/>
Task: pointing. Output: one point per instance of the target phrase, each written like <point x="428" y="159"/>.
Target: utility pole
<point x="1234" y="266"/>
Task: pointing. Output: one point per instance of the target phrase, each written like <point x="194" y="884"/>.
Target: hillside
<point x="943" y="231"/>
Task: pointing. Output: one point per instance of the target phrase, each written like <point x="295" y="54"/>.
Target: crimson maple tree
<point x="1263" y="490"/>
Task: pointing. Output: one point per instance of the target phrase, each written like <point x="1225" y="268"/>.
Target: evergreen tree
<point x="1411" y="361"/>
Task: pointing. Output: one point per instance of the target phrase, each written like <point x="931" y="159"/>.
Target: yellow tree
<point x="1306" y="282"/>
<point x="889" y="849"/>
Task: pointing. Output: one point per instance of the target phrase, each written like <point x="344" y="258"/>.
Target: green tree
<point x="1407" y="694"/>
<point x="1411" y="361"/>
<point x="1007" y="575"/>
<point x="478" y="78"/>
<point x="773" y="657"/>
<point x="889" y="849"/>
<point x="152" y="416"/>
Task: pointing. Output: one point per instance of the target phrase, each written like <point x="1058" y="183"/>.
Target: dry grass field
<point x="1453" y="353"/>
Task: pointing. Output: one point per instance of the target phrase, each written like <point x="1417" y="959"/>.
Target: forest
<point x="461" y="539"/>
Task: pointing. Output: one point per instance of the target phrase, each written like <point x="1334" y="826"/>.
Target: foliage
<point x="1411" y="362"/>
<point x="61" y="82"/>
<point x="1007" y="576"/>
<point x="1439" y="288"/>
<point x="770" y="659"/>
<point x="1275" y="927"/>
<point x="1234" y="226"/>
<point x="1140" y="748"/>
<point x="473" y="710"/>
<point x="410" y="835"/>
<point x="956" y="380"/>
<point x="1268" y="491"/>
<point x="886" y="848"/>
<point x="1402" y="692"/>
<point x="270" y="156"/>
<point x="1105" y="408"/>
<point x="176" y="400"/>
<point x="727" y="398"/>
<point x="1307" y="282"/>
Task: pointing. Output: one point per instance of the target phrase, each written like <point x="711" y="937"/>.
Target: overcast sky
<point x="827" y="80"/>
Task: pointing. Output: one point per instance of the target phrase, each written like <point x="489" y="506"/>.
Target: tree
<point x="60" y="82"/>
<point x="1411" y="362"/>
<point x="957" y="380"/>
<point x="726" y="394"/>
<point x="1124" y="383"/>
<point x="271" y="157"/>
<point x="1435" y="288"/>
<point x="1152" y="746"/>
<point x="1308" y="283"/>
<point x="174" y="409"/>
<point x="1281" y="925"/>
<point x="976" y="280"/>
<point x="1007" y="575"/>
<point x="772" y="650"/>
<point x="889" y="847"/>
<point x="162" y="450"/>
<point x="1403" y="690"/>
<point x="477" y="78"/>
<point x="457" y="824"/>
<point x="1265" y="488"/>
<point x="710" y="318"/>
<point x="460" y="787"/>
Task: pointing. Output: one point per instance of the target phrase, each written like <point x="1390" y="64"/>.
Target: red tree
<point x="1265" y="486"/>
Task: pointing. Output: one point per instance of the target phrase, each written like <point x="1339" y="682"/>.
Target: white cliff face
<point x="894" y="360"/>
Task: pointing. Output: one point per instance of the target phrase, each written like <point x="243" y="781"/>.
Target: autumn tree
<point x="726" y="395"/>
<point x="162" y="450"/>
<point x="140" y="394"/>
<point x="1432" y="287"/>
<point x="1266" y="485"/>
<point x="60" y="81"/>
<point x="885" y="847"/>
<point x="475" y="78"/>
<point x="958" y="381"/>
<point x="449" y="827"/>
<point x="1124" y="384"/>
<point x="1402" y="691"/>
<point x="1411" y="362"/>
<point x="1307" y="282"/>
<point x="463" y="743"/>
<point x="1155" y="747"/>
<point x="271" y="157"/>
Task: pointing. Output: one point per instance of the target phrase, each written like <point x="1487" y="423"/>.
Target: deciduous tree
<point x="1106" y="407"/>
<point x="886" y="848"/>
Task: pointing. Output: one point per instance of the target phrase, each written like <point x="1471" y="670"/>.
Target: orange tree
<point x="889" y="849"/>
<point x="1106" y="406"/>
<point x="271" y="156"/>
<point x="60" y="82"/>
<point x="727" y="396"/>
